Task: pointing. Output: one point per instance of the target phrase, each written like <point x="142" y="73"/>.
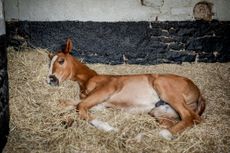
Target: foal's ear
<point x="69" y="46"/>
<point x="50" y="55"/>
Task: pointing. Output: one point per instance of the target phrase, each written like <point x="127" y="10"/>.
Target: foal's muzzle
<point x="53" y="81"/>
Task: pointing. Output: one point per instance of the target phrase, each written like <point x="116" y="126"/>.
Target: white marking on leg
<point x="102" y="125"/>
<point x="51" y="67"/>
<point x="99" y="107"/>
<point x="139" y="137"/>
<point x="166" y="134"/>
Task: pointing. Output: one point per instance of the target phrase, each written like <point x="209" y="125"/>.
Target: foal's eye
<point x="61" y="61"/>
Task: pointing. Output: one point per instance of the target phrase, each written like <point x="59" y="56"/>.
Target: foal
<point x="167" y="97"/>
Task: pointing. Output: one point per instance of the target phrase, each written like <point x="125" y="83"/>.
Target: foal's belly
<point x="136" y="96"/>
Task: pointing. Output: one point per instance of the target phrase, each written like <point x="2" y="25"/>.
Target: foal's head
<point x="61" y="65"/>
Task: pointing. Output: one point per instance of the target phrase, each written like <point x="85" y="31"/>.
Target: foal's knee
<point x="78" y="107"/>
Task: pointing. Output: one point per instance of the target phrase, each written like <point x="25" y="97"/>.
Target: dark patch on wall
<point x="137" y="42"/>
<point x="4" y="95"/>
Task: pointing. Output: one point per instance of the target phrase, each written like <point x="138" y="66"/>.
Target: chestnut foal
<point x="175" y="101"/>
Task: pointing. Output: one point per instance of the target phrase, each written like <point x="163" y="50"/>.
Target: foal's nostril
<point x="53" y="80"/>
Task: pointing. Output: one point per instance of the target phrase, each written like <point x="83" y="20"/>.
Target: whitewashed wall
<point x="109" y="10"/>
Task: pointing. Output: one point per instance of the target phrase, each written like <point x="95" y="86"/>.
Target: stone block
<point x="153" y="3"/>
<point x="181" y="11"/>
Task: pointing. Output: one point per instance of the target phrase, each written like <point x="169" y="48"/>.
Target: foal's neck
<point x="82" y="73"/>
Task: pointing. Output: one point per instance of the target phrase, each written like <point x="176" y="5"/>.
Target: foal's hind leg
<point x="176" y="100"/>
<point x="188" y="118"/>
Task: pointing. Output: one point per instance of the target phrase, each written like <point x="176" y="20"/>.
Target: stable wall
<point x="116" y="32"/>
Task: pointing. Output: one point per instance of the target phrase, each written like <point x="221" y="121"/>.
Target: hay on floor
<point x="38" y="124"/>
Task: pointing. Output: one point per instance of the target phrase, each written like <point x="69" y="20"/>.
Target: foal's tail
<point x="201" y="105"/>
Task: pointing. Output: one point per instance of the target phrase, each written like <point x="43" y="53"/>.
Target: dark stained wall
<point x="134" y="42"/>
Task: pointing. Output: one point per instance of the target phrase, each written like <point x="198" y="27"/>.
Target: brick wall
<point x="108" y="31"/>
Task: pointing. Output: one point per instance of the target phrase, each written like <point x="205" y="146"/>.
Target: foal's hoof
<point x="166" y="134"/>
<point x="104" y="126"/>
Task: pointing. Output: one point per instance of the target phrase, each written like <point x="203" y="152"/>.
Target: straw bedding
<point x="39" y="125"/>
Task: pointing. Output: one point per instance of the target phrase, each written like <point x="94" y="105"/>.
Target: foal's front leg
<point x="97" y="96"/>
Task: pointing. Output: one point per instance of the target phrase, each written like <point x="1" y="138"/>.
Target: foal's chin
<point x="54" y="84"/>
